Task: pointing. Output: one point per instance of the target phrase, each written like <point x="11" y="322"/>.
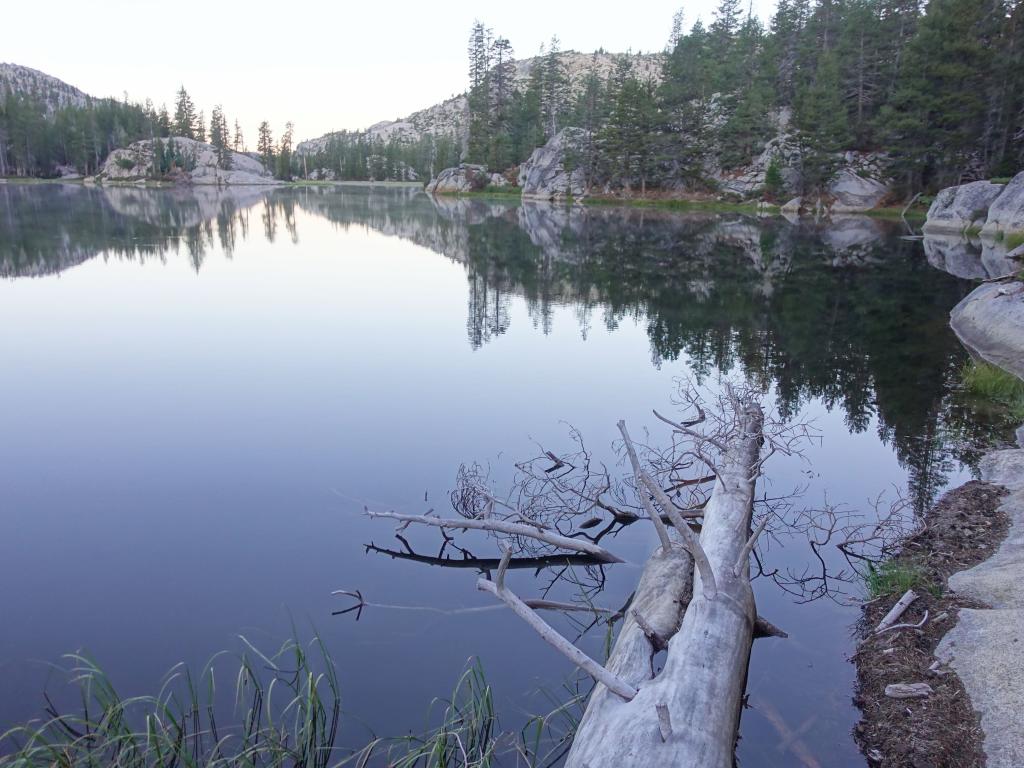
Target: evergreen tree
<point x="185" y="118"/>
<point x="265" y="145"/>
<point x="220" y="138"/>
<point x="284" y="153"/>
<point x="554" y="100"/>
<point x="935" y="118"/>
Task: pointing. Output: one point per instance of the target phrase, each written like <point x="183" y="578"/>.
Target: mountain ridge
<point x="52" y="91"/>
<point x="450" y="117"/>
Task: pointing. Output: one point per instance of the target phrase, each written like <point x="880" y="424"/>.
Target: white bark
<point x="688" y="714"/>
<point x="896" y="611"/>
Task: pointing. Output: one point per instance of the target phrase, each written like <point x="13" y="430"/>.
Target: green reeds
<point x="286" y="713"/>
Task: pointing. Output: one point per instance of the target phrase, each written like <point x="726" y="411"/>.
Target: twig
<point x="666" y="542"/>
<point x="741" y="561"/>
<point x="904" y="626"/>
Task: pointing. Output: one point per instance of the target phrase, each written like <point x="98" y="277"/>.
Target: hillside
<point x="450" y="118"/>
<point x="50" y="91"/>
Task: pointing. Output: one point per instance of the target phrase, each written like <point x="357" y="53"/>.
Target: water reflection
<point x="210" y="417"/>
<point x="845" y="311"/>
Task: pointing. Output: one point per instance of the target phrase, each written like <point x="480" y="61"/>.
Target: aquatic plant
<point x="286" y="712"/>
<point x="996" y="386"/>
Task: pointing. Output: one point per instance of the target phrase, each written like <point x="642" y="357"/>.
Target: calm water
<point x="201" y="391"/>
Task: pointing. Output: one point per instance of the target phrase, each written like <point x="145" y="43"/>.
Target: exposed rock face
<point x="854" y="192"/>
<point x="990" y="322"/>
<point x="26" y="81"/>
<point x="450" y="118"/>
<point x="1006" y="213"/>
<point x="136" y="162"/>
<point x="957" y="208"/>
<point x="747" y="180"/>
<point x="549" y="174"/>
<point x="323" y="174"/>
<point x="461" y="179"/>
<point x="983" y="648"/>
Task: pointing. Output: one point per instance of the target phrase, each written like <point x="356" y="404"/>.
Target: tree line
<point x="36" y="140"/>
<point x="938" y="89"/>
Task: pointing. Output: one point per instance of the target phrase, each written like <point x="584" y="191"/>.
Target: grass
<point x="285" y="713"/>
<point x="894" y="577"/>
<point x="1013" y="239"/>
<point x="994" y="386"/>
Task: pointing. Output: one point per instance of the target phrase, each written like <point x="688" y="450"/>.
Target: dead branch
<point x="896" y="611"/>
<point x="503" y="526"/>
<point x="556" y="641"/>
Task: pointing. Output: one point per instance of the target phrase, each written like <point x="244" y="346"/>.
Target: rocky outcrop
<point x="956" y="209"/>
<point x="1006" y="213"/>
<point x="459" y="180"/>
<point x="135" y="163"/>
<point x="551" y="173"/>
<point x="990" y="323"/>
<point x="984" y="646"/>
<point x="855" y="192"/>
<point x="783" y="150"/>
<point x="53" y="93"/>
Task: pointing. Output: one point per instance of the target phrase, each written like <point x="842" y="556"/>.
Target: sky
<point x="323" y="65"/>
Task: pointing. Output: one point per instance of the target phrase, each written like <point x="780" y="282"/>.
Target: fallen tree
<point x="694" y="598"/>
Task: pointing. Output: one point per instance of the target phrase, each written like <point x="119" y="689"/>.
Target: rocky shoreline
<point x="940" y="728"/>
<point x="971" y="660"/>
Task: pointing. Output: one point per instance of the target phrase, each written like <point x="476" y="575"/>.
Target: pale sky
<point x="323" y="65"/>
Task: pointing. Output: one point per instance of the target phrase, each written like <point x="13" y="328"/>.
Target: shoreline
<point x="971" y="717"/>
<point x="685" y="205"/>
<point x="942" y="728"/>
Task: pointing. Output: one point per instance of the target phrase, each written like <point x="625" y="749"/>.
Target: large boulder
<point x="1006" y="213"/>
<point x="463" y="178"/>
<point x="552" y="172"/>
<point x="958" y="208"/>
<point x="135" y="163"/>
<point x="990" y="323"/>
<point x="854" y="192"/>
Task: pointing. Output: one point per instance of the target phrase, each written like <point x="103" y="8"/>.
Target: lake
<point x="203" y="389"/>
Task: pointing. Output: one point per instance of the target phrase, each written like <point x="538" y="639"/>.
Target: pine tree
<point x="184" y="115"/>
<point x="479" y="95"/>
<point x="555" y="88"/>
<point x="238" y="143"/>
<point x="935" y="118"/>
<point x="284" y="153"/>
<point x="265" y="145"/>
<point x="219" y="137"/>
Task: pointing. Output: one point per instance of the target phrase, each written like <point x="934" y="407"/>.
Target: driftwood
<point x="701" y="685"/>
<point x="694" y="599"/>
<point x="896" y="611"/>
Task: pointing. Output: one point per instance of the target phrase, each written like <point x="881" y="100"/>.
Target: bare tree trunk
<point x="688" y="714"/>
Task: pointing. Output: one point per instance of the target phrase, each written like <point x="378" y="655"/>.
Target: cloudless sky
<point x="324" y="65"/>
